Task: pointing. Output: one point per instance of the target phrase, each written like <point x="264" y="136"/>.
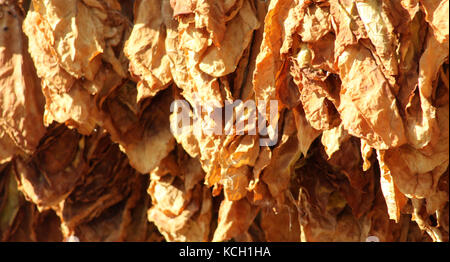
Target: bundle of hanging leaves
<point x="87" y="149"/>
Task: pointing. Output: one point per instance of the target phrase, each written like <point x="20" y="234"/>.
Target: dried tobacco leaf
<point x="21" y="102"/>
<point x="146" y="48"/>
<point x="143" y="132"/>
<point x="235" y="217"/>
<point x="103" y="184"/>
<point x="436" y="15"/>
<point x="55" y="168"/>
<point x="222" y="60"/>
<point x="76" y="62"/>
<point x="181" y="206"/>
<point x="124" y="221"/>
<point x="20" y="220"/>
